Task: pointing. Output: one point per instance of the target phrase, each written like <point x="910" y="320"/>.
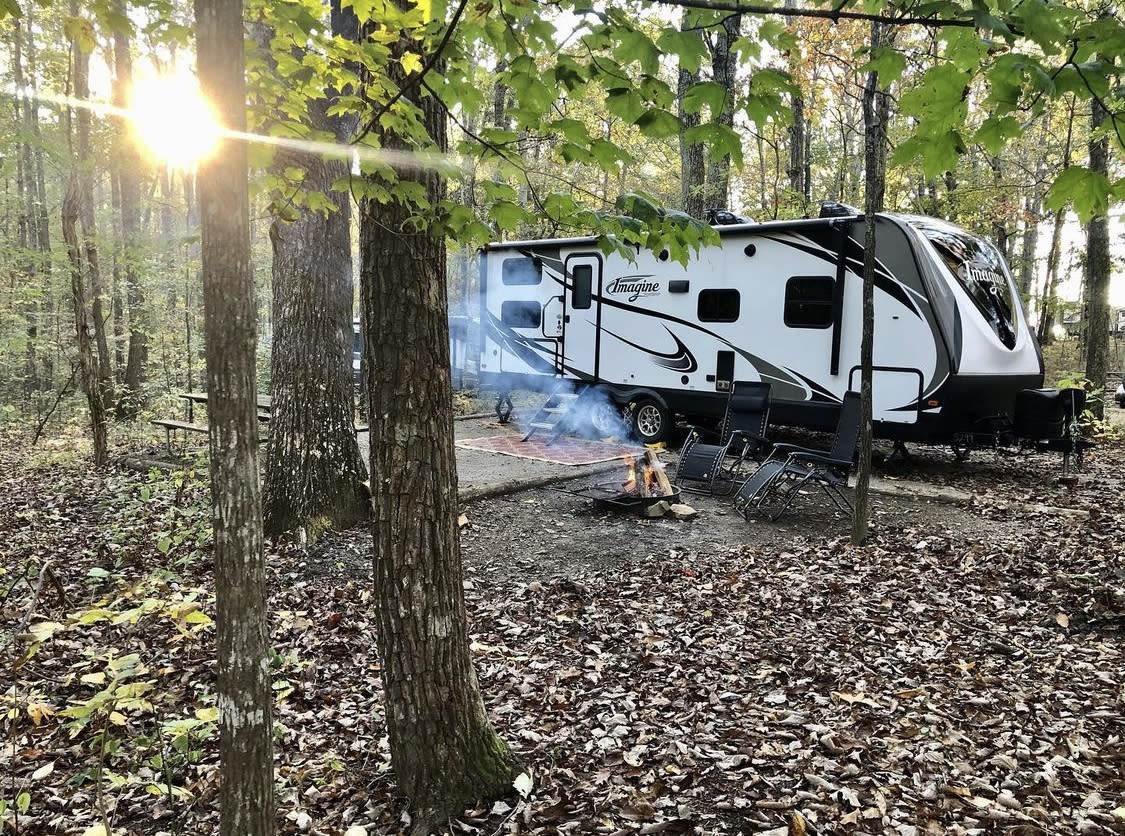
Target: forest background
<point x="632" y="121"/>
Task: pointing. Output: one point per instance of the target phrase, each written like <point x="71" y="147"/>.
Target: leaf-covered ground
<point x="962" y="673"/>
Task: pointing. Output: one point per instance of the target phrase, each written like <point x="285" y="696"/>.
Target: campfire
<point x="645" y="490"/>
<point x="653" y="481"/>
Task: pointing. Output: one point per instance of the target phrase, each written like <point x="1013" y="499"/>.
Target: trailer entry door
<point x="582" y="315"/>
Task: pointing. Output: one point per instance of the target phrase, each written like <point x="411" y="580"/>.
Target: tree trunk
<point x="1029" y="245"/>
<point x="1054" y="255"/>
<point x="128" y="165"/>
<point x="799" y="164"/>
<point x="876" y="110"/>
<point x="692" y="169"/>
<point x="1051" y="281"/>
<point x="444" y="751"/>
<point x="87" y="219"/>
<point x="1098" y="269"/>
<point x="314" y="472"/>
<point x="723" y="66"/>
<point x="244" y="697"/>
<point x="87" y="365"/>
<point x="25" y="189"/>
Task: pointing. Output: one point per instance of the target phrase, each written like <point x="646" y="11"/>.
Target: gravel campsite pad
<point x="961" y="673"/>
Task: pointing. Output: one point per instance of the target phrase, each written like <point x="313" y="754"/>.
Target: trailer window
<point x="583" y="277"/>
<point x="808" y="301"/>
<point x="719" y="305"/>
<point x="521" y="314"/>
<point x="521" y="271"/>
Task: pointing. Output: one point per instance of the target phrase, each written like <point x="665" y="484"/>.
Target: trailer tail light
<point x="932" y="403"/>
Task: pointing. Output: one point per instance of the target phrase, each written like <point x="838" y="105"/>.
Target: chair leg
<point x="785" y="491"/>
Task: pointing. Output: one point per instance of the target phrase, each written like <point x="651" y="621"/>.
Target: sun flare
<point x="173" y="121"/>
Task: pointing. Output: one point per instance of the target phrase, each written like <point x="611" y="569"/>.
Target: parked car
<point x="1119" y="395"/>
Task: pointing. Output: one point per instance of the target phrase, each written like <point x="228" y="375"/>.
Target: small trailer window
<point x="521" y="314"/>
<point x="583" y="276"/>
<point x="808" y="301"/>
<point x="718" y="305"/>
<point x="521" y="271"/>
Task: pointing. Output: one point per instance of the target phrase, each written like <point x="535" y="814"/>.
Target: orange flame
<point x="630" y="483"/>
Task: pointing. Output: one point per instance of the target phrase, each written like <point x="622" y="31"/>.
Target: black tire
<point x="606" y="421"/>
<point x="652" y="421"/>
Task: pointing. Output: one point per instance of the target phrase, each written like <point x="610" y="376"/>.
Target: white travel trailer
<point x="779" y="302"/>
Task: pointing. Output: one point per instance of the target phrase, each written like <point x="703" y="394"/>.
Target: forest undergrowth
<point x="936" y="680"/>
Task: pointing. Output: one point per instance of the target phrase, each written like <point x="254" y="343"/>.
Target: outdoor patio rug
<point x="573" y="451"/>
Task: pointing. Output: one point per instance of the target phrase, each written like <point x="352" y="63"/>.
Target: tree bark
<point x="244" y="697"/>
<point x="692" y="170"/>
<point x="723" y="66"/>
<point x="87" y="219"/>
<point x="87" y="364"/>
<point x="314" y="471"/>
<point x="876" y="110"/>
<point x="1054" y="254"/>
<point x="444" y="751"/>
<point x="1098" y="268"/>
<point x="131" y="398"/>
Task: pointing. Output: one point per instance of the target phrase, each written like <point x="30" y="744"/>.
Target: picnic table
<point x="265" y="404"/>
<point x="172" y="426"/>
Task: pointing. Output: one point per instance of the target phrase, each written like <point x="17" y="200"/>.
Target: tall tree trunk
<point x="87" y="364"/>
<point x="41" y="223"/>
<point x="1054" y="255"/>
<point x="692" y="169"/>
<point x="1029" y="245"/>
<point x="314" y="471"/>
<point x="244" y="697"/>
<point x="128" y="165"/>
<point x="1098" y="268"/>
<point x="87" y="219"/>
<point x="26" y="190"/>
<point x="444" y="751"/>
<point x="723" y="65"/>
<point x="1051" y="280"/>
<point x="876" y="111"/>
<point x="117" y="300"/>
<point x="799" y="165"/>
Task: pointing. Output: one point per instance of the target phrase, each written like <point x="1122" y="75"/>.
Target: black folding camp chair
<point x="790" y="470"/>
<point x="710" y="460"/>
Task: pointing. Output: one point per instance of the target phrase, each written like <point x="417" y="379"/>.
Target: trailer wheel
<point x="606" y="420"/>
<point x="652" y="422"/>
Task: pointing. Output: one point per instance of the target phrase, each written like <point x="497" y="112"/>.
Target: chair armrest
<point x="787" y="449"/>
<point x="811" y="457"/>
<point x="702" y="432"/>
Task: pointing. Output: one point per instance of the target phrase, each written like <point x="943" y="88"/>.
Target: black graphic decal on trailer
<point x="529" y="351"/>
<point x="680" y="360"/>
<point x="884" y="280"/>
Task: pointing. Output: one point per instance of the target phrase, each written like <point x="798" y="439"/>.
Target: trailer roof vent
<point x="832" y="209"/>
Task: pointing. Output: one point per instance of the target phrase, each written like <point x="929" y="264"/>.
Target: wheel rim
<point x="649" y="420"/>
<point x="606" y="420"/>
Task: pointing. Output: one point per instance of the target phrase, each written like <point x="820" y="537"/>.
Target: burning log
<point x="653" y="464"/>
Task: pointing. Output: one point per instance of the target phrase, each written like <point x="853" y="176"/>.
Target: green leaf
<point x="23" y="803"/>
<point x="688" y="47"/>
<point x="1087" y="190"/>
<point x="636" y="46"/>
<point x="936" y="153"/>
<point x="888" y="63"/>
<point x="507" y="215"/>
<point x="709" y="94"/>
<point x="995" y="132"/>
<point x="658" y="123"/>
<point x="625" y="104"/>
